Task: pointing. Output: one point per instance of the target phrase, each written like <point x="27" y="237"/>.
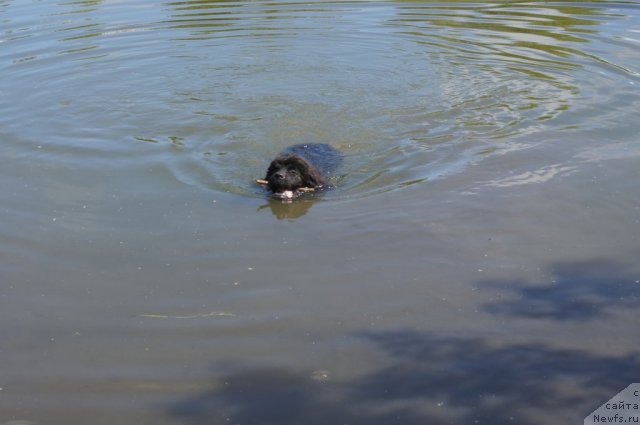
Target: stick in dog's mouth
<point x="286" y="194"/>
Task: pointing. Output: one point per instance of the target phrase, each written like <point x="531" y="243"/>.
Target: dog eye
<point x="293" y="171"/>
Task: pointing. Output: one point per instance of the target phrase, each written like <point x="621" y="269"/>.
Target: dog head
<point x="288" y="173"/>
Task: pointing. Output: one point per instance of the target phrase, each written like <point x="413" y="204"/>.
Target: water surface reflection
<point x="478" y="261"/>
<point x="411" y="92"/>
<point x="428" y="378"/>
<point x="398" y="85"/>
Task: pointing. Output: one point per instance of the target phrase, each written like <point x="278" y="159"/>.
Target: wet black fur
<point x="303" y="165"/>
<point x="291" y="172"/>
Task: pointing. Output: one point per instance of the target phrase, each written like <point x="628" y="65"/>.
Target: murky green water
<point x="478" y="262"/>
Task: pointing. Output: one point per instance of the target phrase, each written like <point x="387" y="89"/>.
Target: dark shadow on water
<point x="483" y="383"/>
<point x="425" y="379"/>
<point x="576" y="291"/>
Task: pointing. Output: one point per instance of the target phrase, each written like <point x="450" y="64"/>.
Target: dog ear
<point x="311" y="176"/>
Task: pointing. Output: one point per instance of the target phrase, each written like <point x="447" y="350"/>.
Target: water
<point x="476" y="264"/>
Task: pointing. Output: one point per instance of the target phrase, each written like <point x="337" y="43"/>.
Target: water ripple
<point x="409" y="91"/>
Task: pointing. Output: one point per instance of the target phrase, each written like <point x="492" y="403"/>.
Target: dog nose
<point x="279" y="176"/>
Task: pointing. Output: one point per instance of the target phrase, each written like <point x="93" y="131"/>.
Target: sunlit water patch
<point x="209" y="91"/>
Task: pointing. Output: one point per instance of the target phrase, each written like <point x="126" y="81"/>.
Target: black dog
<point x="301" y="167"/>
